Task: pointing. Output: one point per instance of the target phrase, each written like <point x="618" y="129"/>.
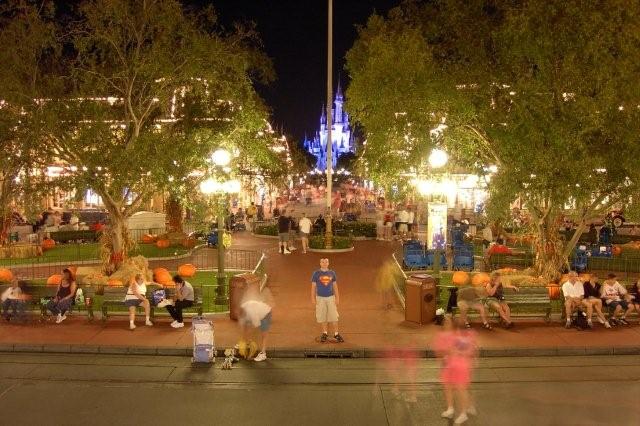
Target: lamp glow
<point x="209" y="186"/>
<point x="221" y="157"/>
<point x="232" y="186"/>
<point x="438" y="158"/>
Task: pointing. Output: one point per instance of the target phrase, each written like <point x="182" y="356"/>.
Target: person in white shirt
<point x="403" y="219"/>
<point x="411" y="216"/>
<point x="305" y="229"/>
<point x="573" y="292"/>
<point x="14" y="299"/>
<point x="613" y="295"/>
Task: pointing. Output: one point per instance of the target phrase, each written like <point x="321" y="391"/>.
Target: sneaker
<point x="589" y="324"/>
<point x="487" y="326"/>
<point x="338" y="338"/>
<point x="467" y="325"/>
<point x="448" y="414"/>
<point x="324" y="337"/>
<point x="623" y="321"/>
<point x="132" y="326"/>
<point x="177" y="325"/>
<point x="148" y="322"/>
<point x="613" y="322"/>
<point x="567" y="324"/>
<point x="60" y="318"/>
<point x="260" y="357"/>
<point x="461" y="419"/>
<point x="174" y="323"/>
<point x="607" y="325"/>
<point x="601" y="321"/>
<point x="287" y="252"/>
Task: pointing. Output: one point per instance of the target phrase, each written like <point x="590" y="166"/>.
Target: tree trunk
<point x="550" y="258"/>
<point x="175" y="213"/>
<point x="116" y="241"/>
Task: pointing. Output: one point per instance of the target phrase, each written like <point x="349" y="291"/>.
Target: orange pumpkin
<point x="48" y="244"/>
<point x="480" y="279"/>
<point x="55" y="279"/>
<point x="163" y="244"/>
<point x="187" y="270"/>
<point x="460" y="278"/>
<point x="616" y="250"/>
<point x="5" y="275"/>
<point x="114" y="282"/>
<point x="189" y="243"/>
<point x="554" y="291"/>
<point x="149" y="239"/>
<point x="162" y="276"/>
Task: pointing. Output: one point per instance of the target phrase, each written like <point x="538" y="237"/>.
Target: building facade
<point x="341" y="135"/>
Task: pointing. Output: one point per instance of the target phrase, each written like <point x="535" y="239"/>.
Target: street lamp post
<point x="221" y="189"/>
<point x="328" y="236"/>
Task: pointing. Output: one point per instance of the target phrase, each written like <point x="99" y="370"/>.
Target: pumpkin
<point x="55" y="279"/>
<point x="187" y="270"/>
<point x="163" y="244"/>
<point x="114" y="282"/>
<point x="460" y="278"/>
<point x="162" y="276"/>
<point x="616" y="250"/>
<point x="5" y="275"/>
<point x="480" y="279"/>
<point x="48" y="244"/>
<point x="554" y="291"/>
<point x="189" y="243"/>
<point x="149" y="239"/>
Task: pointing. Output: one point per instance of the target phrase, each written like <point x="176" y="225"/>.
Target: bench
<point x="38" y="292"/>
<point x="521" y="302"/>
<point x="497" y="261"/>
<point x="113" y="299"/>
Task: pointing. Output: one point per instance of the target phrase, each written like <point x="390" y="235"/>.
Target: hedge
<point x="356" y="229"/>
<point x="266" y="230"/>
<point x="317" y="242"/>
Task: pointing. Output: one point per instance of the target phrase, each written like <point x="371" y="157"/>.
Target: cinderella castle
<point x="341" y="135"/>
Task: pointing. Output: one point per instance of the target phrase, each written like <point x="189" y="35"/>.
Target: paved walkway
<point x="366" y="327"/>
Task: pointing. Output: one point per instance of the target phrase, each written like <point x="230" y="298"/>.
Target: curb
<point x="314" y="353"/>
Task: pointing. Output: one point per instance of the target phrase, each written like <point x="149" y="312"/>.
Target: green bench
<point x="36" y="295"/>
<point x="113" y="300"/>
<point x="497" y="261"/>
<point x="523" y="302"/>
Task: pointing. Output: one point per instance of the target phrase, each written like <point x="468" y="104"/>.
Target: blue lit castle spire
<point x="342" y="138"/>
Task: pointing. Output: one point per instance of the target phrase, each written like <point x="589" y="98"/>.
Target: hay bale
<point x="130" y="267"/>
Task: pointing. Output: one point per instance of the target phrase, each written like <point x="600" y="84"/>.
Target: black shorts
<point x="613" y="305"/>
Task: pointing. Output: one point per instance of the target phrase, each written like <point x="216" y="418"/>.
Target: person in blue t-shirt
<point x="325" y="297"/>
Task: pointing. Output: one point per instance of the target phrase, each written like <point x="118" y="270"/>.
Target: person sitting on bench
<point x="495" y="299"/>
<point x="184" y="298"/>
<point x="471" y="297"/>
<point x="613" y="295"/>
<point x="573" y="292"/>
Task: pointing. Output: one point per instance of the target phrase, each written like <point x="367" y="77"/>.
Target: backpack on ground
<point x="579" y="320"/>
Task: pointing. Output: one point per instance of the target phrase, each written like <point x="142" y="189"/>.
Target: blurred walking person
<point x="384" y="280"/>
<point x="457" y="350"/>
<point x="256" y="307"/>
<point x="305" y="229"/>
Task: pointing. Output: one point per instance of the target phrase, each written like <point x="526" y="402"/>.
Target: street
<point x="49" y="389"/>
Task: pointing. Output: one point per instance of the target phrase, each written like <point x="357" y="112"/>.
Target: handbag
<point x="157" y="296"/>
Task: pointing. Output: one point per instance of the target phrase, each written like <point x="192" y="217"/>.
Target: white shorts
<point x="326" y="309"/>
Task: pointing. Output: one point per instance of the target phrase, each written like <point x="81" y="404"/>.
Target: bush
<point x="355" y="229"/>
<point x="317" y="242"/>
<point x="266" y="230"/>
<point x="66" y="236"/>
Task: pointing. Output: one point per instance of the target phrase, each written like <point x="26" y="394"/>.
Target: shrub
<point x="66" y="236"/>
<point x="355" y="229"/>
<point x="266" y="230"/>
<point x="317" y="242"/>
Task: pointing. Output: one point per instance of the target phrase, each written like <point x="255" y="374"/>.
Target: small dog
<point x="229" y="354"/>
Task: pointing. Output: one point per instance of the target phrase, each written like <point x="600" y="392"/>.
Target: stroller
<point x="204" y="348"/>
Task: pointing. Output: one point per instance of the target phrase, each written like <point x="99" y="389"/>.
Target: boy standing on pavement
<point x="325" y="297"/>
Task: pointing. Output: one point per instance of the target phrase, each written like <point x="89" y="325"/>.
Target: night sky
<point x="294" y="34"/>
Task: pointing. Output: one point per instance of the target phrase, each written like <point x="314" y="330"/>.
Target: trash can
<point x="237" y="286"/>
<point x="420" y="300"/>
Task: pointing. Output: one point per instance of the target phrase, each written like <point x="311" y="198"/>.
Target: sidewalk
<point x="366" y="327"/>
